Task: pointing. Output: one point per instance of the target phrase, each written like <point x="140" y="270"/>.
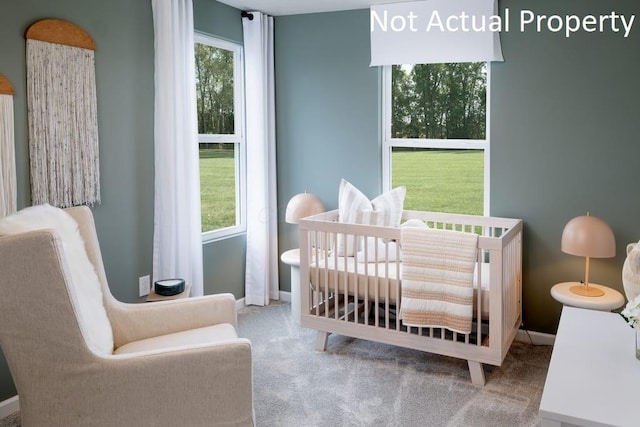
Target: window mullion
<point x="450" y="144"/>
<point x="215" y="139"/>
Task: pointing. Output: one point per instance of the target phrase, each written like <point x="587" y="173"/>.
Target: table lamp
<point x="590" y="237"/>
<point x="301" y="206"/>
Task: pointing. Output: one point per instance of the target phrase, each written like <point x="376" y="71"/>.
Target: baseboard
<point x="9" y="406"/>
<point x="535" y="338"/>
<point x="282" y="296"/>
<point x="285" y="296"/>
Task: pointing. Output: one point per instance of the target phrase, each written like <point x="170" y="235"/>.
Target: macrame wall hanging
<point x="63" y="123"/>
<point x="8" y="191"/>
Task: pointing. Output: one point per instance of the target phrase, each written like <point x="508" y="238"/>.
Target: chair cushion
<point x="84" y="287"/>
<point x="206" y="335"/>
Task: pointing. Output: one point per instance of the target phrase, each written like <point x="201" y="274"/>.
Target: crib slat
<point x="396" y="284"/>
<point x="479" y="298"/>
<point x="355" y="279"/>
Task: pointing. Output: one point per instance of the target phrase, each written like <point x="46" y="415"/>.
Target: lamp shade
<point x="588" y="236"/>
<point x="301" y="206"/>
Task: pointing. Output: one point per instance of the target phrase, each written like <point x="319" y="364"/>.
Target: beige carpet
<point x="360" y="383"/>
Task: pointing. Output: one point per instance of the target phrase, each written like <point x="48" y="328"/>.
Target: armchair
<point x="81" y="359"/>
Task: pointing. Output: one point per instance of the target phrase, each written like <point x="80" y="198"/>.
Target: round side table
<point x="611" y="299"/>
<point x="292" y="258"/>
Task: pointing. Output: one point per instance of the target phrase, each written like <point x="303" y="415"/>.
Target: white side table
<point x="611" y="299"/>
<point x="292" y="258"/>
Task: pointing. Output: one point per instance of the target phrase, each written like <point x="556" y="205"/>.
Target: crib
<point x="360" y="296"/>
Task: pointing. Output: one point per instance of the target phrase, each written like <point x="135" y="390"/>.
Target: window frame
<point x="388" y="143"/>
<point x="237" y="138"/>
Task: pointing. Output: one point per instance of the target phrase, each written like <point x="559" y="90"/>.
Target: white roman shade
<point x="435" y="31"/>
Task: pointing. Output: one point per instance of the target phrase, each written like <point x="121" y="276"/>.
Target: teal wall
<point x="327" y="111"/>
<point x="123" y="32"/>
<point x="563" y="140"/>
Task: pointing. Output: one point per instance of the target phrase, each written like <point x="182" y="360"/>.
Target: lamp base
<point x="586" y="292"/>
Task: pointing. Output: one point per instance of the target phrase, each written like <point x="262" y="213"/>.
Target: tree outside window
<point x="435" y="135"/>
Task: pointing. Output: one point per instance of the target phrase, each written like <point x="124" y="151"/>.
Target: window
<point x="435" y="136"/>
<point x="219" y="97"/>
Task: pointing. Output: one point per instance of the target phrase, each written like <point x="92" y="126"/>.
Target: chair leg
<point x="477" y="373"/>
<point x="321" y="341"/>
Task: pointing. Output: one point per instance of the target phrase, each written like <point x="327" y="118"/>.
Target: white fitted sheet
<point x="330" y="275"/>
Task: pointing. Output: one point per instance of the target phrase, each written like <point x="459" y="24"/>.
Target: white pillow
<point x="382" y="255"/>
<point x="351" y="202"/>
<point x="355" y="208"/>
<point x="86" y="293"/>
<point x="414" y="223"/>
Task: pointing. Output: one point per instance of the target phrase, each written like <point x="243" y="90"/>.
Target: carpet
<point x="362" y="383"/>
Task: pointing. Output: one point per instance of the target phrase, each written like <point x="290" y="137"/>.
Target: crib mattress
<point x="378" y="281"/>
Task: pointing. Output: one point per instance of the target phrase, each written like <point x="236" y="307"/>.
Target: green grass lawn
<point x="441" y="180"/>
<point x="436" y="180"/>
<point x="217" y="187"/>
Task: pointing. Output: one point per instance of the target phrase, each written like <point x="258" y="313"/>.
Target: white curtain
<point x="261" y="281"/>
<point x="177" y="241"/>
<point x="435" y="32"/>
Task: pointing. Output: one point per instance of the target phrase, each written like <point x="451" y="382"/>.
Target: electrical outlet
<point x="144" y="286"/>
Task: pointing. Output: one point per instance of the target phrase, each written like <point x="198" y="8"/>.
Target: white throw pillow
<point x="86" y="293"/>
<point x="386" y="209"/>
<point x="415" y="223"/>
<point x="381" y="255"/>
<point x="355" y="208"/>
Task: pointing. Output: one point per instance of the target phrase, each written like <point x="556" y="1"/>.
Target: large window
<point x="219" y="96"/>
<point x="435" y="136"/>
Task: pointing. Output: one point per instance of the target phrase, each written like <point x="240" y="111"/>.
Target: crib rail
<point x="359" y="294"/>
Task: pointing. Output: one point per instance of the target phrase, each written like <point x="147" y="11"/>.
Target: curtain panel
<point x="261" y="277"/>
<point x="177" y="239"/>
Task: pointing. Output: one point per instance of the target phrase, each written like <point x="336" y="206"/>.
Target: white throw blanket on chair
<point x="437" y="278"/>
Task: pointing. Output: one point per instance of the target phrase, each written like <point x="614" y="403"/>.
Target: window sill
<point x="223" y="234"/>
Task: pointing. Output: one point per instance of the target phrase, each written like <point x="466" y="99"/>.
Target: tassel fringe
<point x="63" y="124"/>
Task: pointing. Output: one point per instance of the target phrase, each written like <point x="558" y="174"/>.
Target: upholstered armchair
<point x="79" y="357"/>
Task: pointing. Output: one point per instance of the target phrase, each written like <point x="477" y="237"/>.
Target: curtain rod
<point x="246" y="14"/>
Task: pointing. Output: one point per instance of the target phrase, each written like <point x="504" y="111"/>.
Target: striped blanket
<point x="437" y="278"/>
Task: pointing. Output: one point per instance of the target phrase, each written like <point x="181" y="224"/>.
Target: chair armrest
<point x="133" y="322"/>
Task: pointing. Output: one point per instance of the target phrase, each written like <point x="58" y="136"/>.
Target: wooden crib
<point x="361" y="299"/>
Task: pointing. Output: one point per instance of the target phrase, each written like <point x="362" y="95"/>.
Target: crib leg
<point x="321" y="341"/>
<point x="476" y="371"/>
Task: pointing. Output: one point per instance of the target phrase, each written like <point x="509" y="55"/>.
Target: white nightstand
<point x="292" y="258"/>
<point x="611" y="299"/>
